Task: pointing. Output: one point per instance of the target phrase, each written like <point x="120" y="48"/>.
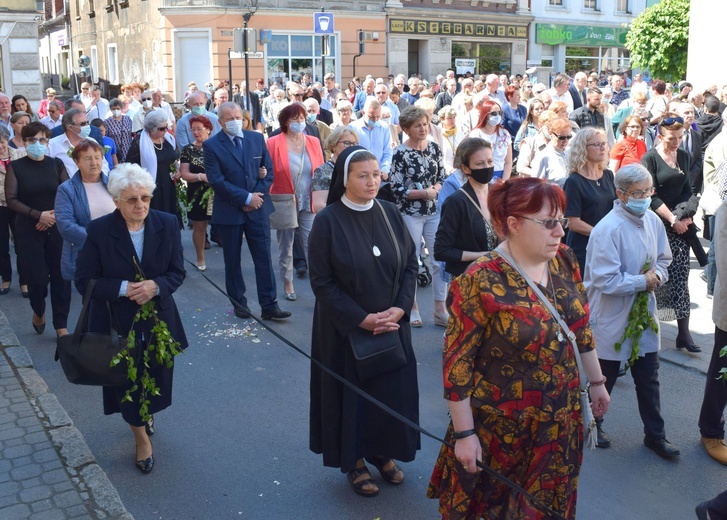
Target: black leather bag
<point x="86" y="356"/>
<point x="376" y="354"/>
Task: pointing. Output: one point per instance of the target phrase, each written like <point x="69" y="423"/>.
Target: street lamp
<point x="251" y="9"/>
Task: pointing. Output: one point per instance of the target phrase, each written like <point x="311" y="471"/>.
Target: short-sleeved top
<point x="322" y="177"/>
<point x="413" y="170"/>
<point x="193" y="156"/>
<point x="589" y="201"/>
<point x="500" y="141"/>
<point x="628" y="151"/>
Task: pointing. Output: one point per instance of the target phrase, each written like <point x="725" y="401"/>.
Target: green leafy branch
<point x="640" y="319"/>
<point x="162" y="348"/>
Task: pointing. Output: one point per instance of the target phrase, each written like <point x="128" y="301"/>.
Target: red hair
<point x="485" y="110"/>
<point x="201" y="119"/>
<point x="519" y="197"/>
<point x="289" y="112"/>
<point x="509" y="91"/>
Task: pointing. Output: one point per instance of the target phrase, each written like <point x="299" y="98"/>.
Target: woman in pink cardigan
<point x="295" y="157"/>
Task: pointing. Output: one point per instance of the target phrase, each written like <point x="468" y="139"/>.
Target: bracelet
<point x="463" y="434"/>
<point x="598" y="383"/>
<point x="674" y="220"/>
<point x="199" y="177"/>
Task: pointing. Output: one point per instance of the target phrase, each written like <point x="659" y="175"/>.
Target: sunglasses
<point x="84" y="123"/>
<point x="495" y="113"/>
<point x="132" y="201"/>
<point x="146" y="99"/>
<point x="668" y="121"/>
<point x="550" y="223"/>
<point x="298" y="95"/>
<point x="162" y="128"/>
<point x="563" y="137"/>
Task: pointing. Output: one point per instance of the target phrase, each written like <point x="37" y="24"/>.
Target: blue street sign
<point x="323" y="23"/>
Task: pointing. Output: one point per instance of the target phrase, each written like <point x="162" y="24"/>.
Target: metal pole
<point x="229" y="71"/>
<point x="323" y="55"/>
<point x="245" y="47"/>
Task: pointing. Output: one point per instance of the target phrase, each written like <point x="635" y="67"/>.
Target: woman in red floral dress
<point x="510" y="377"/>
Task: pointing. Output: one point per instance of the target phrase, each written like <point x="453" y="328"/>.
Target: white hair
<point x="129" y="175"/>
<point x="631" y="174"/>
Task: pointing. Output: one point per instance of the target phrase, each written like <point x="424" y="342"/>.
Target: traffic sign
<point x="323" y="23"/>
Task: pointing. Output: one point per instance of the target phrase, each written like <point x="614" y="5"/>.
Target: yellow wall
<point x="18" y="5"/>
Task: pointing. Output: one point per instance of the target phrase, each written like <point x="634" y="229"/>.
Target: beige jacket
<point x="14" y="154"/>
<point x="719" y="302"/>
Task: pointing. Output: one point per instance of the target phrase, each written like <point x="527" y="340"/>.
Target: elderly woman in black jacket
<point x="465" y="232"/>
<point x="134" y="241"/>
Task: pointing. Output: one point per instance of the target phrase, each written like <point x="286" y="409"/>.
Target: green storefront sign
<point x="584" y="35"/>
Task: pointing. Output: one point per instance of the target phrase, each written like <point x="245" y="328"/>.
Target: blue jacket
<point x="234" y="177"/>
<point x="72" y="218"/>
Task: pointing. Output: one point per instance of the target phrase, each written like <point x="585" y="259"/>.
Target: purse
<point x="285" y="215"/>
<point x="589" y="422"/>
<point x="86" y="356"/>
<point x="377" y="354"/>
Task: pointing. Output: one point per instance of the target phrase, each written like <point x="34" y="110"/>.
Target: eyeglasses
<point x="347" y="143"/>
<point x="600" y="145"/>
<point x="33" y="140"/>
<point x="668" y="121"/>
<point x="640" y="194"/>
<point x="381" y="92"/>
<point x="344" y="111"/>
<point x="298" y="95"/>
<point x="162" y="128"/>
<point x="83" y="123"/>
<point x="550" y="223"/>
<point x="634" y="127"/>
<point x="132" y="201"/>
<point x="563" y="137"/>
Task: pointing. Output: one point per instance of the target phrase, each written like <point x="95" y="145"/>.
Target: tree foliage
<point x="658" y="39"/>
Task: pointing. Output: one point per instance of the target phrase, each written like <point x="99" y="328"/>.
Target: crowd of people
<point x="494" y="185"/>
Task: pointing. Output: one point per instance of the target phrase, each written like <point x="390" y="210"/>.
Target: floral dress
<point x="196" y="190"/>
<point x="415" y="170"/>
<point x="502" y="351"/>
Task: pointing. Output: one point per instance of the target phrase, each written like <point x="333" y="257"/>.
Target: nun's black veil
<point x="337" y="188"/>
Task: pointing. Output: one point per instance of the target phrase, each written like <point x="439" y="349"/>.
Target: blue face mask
<point x="495" y="120"/>
<point x="36" y="150"/>
<point x="311" y="118"/>
<point x="199" y="111"/>
<point x="234" y="127"/>
<point x="368" y="122"/>
<point x="638" y="206"/>
<point x="296" y="127"/>
<point x="85" y="131"/>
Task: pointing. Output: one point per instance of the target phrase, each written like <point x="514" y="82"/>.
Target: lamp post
<point x="251" y="9"/>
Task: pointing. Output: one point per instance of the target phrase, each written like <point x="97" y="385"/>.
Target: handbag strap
<point x="479" y="208"/>
<point x="395" y="290"/>
<point x="548" y="305"/>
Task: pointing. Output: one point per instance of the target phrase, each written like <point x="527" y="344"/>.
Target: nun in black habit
<point x="353" y="265"/>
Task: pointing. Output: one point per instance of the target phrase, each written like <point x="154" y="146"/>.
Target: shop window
<point x="490" y="57"/>
<point x="290" y="56"/>
<point x="599" y="59"/>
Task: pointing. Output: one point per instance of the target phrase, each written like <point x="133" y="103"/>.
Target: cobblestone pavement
<point x="47" y="471"/>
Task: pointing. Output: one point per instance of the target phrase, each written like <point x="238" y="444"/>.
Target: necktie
<point x="687" y="143"/>
<point x="583" y="96"/>
<point x="238" y="144"/>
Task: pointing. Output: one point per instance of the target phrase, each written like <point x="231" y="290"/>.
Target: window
<point x="622" y="6"/>
<point x="289" y="56"/>
<point x="590" y="4"/>
<point x="490" y="57"/>
<point x="555" y="3"/>
<point x="112" y="64"/>
<point x="94" y="63"/>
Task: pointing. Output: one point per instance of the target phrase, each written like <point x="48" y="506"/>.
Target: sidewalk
<point x="47" y="471"/>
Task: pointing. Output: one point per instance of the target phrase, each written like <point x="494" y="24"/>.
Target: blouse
<point x="500" y="141"/>
<point x="416" y="170"/>
<point x="322" y="177"/>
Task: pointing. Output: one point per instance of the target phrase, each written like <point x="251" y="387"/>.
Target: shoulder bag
<point x="378" y="354"/>
<point x="589" y="423"/>
<point x="86" y="356"/>
<point x="285" y="215"/>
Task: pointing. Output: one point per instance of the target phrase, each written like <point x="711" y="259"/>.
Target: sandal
<point x="415" y="319"/>
<point x="149" y="427"/>
<point x="360" y="485"/>
<point x="441" y="320"/>
<point x="389" y="475"/>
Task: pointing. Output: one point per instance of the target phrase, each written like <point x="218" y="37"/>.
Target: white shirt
<point x="167" y="108"/>
<point x="48" y="121"/>
<point x="58" y="147"/>
<point x="98" y="111"/>
<point x="565" y="98"/>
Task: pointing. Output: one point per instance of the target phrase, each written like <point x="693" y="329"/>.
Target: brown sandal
<point x="389" y="475"/>
<point x="359" y="485"/>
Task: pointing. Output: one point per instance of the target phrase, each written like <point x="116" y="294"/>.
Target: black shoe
<point x="146" y="465"/>
<point x="38" y="328"/>
<point x="701" y="511"/>
<point x="207" y="244"/>
<point x="602" y="440"/>
<point x="216" y="240"/>
<point x="275" y="314"/>
<point x="149" y="427"/>
<point x="662" y="447"/>
<point x="301" y="271"/>
<point x="690" y="347"/>
<point x="24" y="294"/>
<point x="243" y="312"/>
<point x="4" y="291"/>
<point x="621" y="372"/>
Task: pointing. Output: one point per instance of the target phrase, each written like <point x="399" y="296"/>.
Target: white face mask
<point x="234" y="127"/>
<point x="116" y="112"/>
<point x="147" y="104"/>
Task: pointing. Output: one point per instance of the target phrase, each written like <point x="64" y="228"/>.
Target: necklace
<point x="161" y="145"/>
<point x="559" y="334"/>
<point x="371" y="238"/>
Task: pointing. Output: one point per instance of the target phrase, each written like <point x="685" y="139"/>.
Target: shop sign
<point x="586" y="35"/>
<point x="463" y="66"/>
<point x="489" y="30"/>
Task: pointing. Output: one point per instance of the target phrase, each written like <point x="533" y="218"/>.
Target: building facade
<point x="19" y="66"/>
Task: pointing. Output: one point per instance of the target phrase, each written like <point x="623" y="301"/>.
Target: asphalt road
<point x="235" y="442"/>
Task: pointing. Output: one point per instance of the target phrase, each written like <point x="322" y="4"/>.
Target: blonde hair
<point x="578" y="157"/>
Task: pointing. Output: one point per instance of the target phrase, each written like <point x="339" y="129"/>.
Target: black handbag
<point x="86" y="356"/>
<point x="378" y="354"/>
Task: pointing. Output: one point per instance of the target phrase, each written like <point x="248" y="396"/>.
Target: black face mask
<point x="483" y="175"/>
